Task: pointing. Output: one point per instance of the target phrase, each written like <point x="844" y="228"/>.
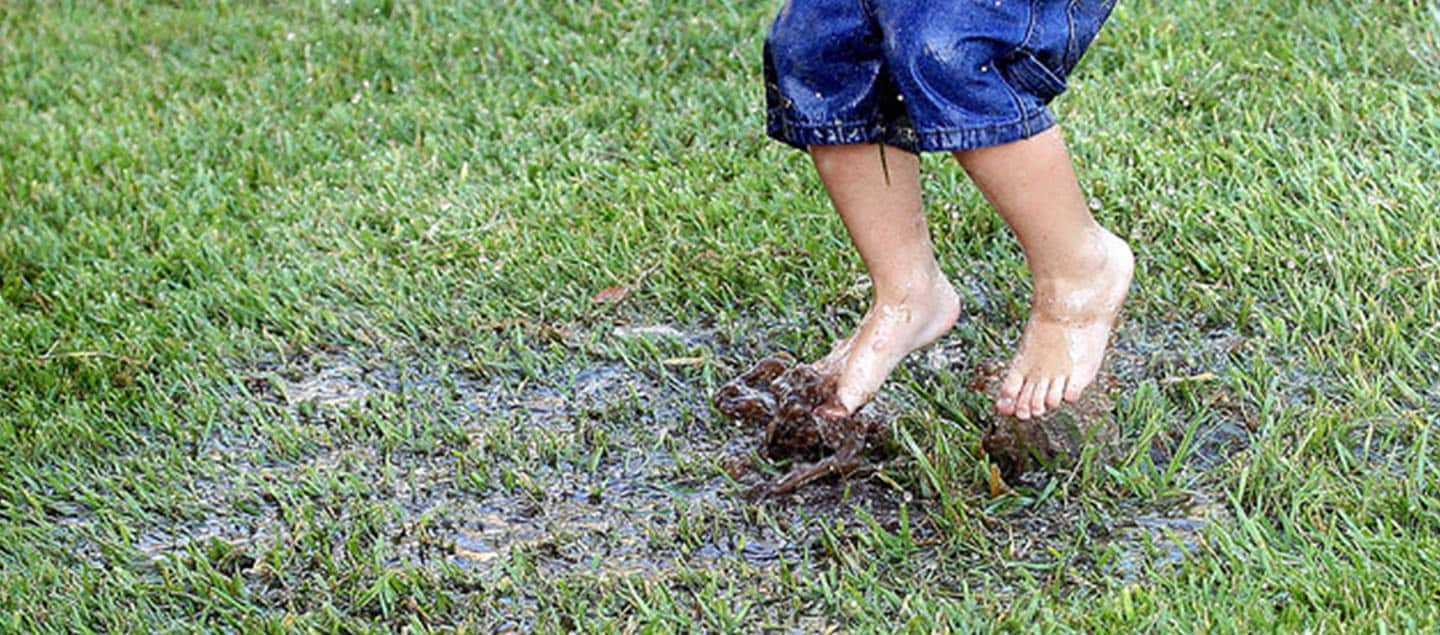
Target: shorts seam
<point x="867" y="9"/>
<point x="1029" y="29"/>
<point x="787" y="122"/>
<point x="1071" y="58"/>
<point x="984" y="128"/>
<point x="1023" y="46"/>
<point x="1023" y="114"/>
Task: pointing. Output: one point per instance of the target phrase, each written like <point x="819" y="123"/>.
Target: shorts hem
<point x="958" y="139"/>
<point x="802" y="136"/>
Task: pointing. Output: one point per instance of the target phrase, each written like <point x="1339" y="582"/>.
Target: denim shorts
<point x="922" y="75"/>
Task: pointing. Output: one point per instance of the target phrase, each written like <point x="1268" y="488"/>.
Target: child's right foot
<point x="892" y="329"/>
<point x="1069" y="328"/>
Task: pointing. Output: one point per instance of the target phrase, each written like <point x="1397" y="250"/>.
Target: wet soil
<point x="596" y="469"/>
<point x="603" y="467"/>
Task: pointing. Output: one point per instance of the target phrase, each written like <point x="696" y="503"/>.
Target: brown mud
<point x="780" y="397"/>
<point x="1055" y="439"/>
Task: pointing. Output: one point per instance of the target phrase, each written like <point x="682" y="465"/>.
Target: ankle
<point x="1094" y="253"/>
<point x="922" y="288"/>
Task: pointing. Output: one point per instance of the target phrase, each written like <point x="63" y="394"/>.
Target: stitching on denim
<point x="1071" y="56"/>
<point x="1010" y="90"/>
<point x="782" y="128"/>
<point x="1037" y="76"/>
<point x="1025" y="37"/>
<point x="1029" y="28"/>
<point x="866" y="8"/>
<point x="934" y="139"/>
<point x="789" y="122"/>
<point x="1025" y="123"/>
<point x="1030" y="22"/>
<point x="903" y="137"/>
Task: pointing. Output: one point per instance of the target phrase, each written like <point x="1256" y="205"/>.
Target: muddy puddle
<point x="595" y="469"/>
<point x="1191" y="356"/>
<point x="591" y="467"/>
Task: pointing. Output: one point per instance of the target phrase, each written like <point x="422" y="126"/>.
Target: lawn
<point x="368" y="315"/>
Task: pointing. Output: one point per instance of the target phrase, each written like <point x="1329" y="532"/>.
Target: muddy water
<point x="1193" y="356"/>
<point x="595" y="467"/>
<point x="599" y="469"/>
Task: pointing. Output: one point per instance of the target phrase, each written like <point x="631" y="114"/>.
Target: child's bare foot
<point x="1069" y="329"/>
<point x="896" y="325"/>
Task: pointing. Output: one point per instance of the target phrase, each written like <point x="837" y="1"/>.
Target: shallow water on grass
<point x="596" y="467"/>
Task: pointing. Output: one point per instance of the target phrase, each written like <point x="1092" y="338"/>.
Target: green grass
<point x="204" y="205"/>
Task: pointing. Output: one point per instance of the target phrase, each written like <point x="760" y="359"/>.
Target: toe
<point x="1009" y="392"/>
<point x="1037" y="399"/>
<point x="841" y="404"/>
<point x="1073" y="389"/>
<point x="832" y="410"/>
<point x="1056" y="393"/>
<point x="1022" y="403"/>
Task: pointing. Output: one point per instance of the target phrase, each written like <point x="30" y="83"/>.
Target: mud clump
<point x="1054" y="439"/>
<point x="780" y="396"/>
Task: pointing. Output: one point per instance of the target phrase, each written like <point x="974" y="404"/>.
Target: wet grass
<point x="371" y="315"/>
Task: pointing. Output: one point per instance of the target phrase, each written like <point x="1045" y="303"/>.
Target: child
<point x="973" y="78"/>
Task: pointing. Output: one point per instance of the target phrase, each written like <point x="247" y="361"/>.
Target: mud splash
<point x="781" y="397"/>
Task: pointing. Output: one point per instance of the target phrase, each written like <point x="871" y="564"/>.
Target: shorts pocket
<point x="1026" y="73"/>
<point x="1084" y="19"/>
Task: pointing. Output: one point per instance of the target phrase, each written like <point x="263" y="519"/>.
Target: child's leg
<point x="1082" y="272"/>
<point x="913" y="303"/>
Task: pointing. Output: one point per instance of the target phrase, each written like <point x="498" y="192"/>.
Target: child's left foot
<point x="1068" y="331"/>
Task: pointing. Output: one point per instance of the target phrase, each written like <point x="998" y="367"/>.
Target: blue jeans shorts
<point x="922" y="75"/>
